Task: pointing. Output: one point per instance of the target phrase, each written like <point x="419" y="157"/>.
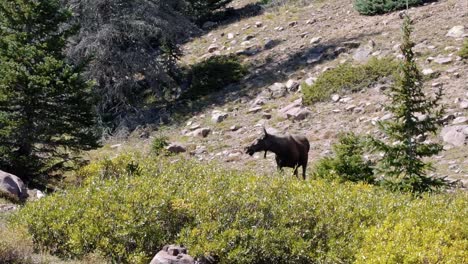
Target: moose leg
<point x="304" y="167"/>
<point x="295" y="171"/>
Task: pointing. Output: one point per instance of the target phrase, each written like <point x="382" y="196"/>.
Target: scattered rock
<point x="235" y="127"/>
<point x="172" y="254"/>
<point x="311" y="21"/>
<point x="455" y="135"/>
<point x="310" y="81"/>
<point x="230" y="35"/>
<point x="176" y="148"/>
<point x="292" y="23"/>
<point x="362" y="54"/>
<point x="443" y="60"/>
<point x="258" y="24"/>
<point x="278" y="90"/>
<point x="295" y="111"/>
<point x="460" y="120"/>
<point x="314" y="57"/>
<point x="279" y="28"/>
<point x="292" y="85"/>
<point x="218" y="117"/>
<point x="212" y="48"/>
<point x="35" y="195"/>
<point x="335" y="98"/>
<point x="464" y="104"/>
<point x="428" y="72"/>
<point x="115" y="146"/>
<point x="315" y="40"/>
<point x="266" y="116"/>
<point x="456" y="32"/>
<point x="259" y="101"/>
<point x="254" y="110"/>
<point x="13" y="186"/>
<point x="200" y="132"/>
<point x="248" y="37"/>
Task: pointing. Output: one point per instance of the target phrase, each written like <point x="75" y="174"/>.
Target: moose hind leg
<point x="304" y="167"/>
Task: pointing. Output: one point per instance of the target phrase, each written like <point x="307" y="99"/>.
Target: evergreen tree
<point x="415" y="116"/>
<point x="45" y="106"/>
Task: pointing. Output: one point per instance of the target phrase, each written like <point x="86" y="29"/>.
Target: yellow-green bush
<point x="240" y="217"/>
<point x="347" y="77"/>
<point x="15" y="245"/>
<point x="374" y="7"/>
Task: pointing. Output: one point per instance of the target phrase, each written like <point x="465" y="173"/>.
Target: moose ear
<point x="264" y="131"/>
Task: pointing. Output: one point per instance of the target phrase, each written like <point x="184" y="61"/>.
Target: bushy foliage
<point x="46" y="108"/>
<point x="214" y="74"/>
<point x="464" y="50"/>
<point x="158" y="144"/>
<point x="347" y="77"/>
<point x="415" y="117"/>
<point x="15" y="245"/>
<point x="238" y="217"/>
<point x="374" y="7"/>
<point x="347" y="163"/>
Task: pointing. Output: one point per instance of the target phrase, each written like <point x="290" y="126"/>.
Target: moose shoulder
<point x="291" y="150"/>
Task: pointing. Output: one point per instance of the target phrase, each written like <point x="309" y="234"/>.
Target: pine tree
<point x="45" y="106"/>
<point x="415" y="116"/>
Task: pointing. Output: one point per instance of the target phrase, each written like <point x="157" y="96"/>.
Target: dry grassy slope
<point x="335" y="22"/>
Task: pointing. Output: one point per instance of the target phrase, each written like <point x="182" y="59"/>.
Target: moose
<point x="291" y="150"/>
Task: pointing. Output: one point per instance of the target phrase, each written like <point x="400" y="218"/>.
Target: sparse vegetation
<point x="347" y="77"/>
<point x="347" y="163"/>
<point x="464" y="50"/>
<point x="16" y="246"/>
<point x="240" y="217"/>
<point x="375" y="7"/>
<point x="214" y="74"/>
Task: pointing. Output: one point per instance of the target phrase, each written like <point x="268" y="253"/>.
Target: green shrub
<point x="348" y="163"/>
<point x="347" y="77"/>
<point x="374" y="7"/>
<point x="158" y="144"/>
<point x="436" y="234"/>
<point x="464" y="50"/>
<point x="200" y="9"/>
<point x="214" y="74"/>
<point x="237" y="216"/>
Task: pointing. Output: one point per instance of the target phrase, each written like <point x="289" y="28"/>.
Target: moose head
<point x="260" y="144"/>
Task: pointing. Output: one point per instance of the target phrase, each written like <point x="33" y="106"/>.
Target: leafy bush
<point x="237" y="216"/>
<point x="214" y="74"/>
<point x="464" y="50"/>
<point x="347" y="77"/>
<point x="374" y="7"/>
<point x="348" y="163"/>
<point x="158" y="145"/>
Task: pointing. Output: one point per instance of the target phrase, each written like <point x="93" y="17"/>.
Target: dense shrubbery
<point x="347" y="77"/>
<point x="374" y="7"/>
<point x="158" y="144"/>
<point x="202" y="8"/>
<point x="214" y="74"/>
<point x="242" y="217"/>
<point x="347" y="163"/>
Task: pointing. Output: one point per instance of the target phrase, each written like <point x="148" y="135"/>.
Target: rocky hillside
<point x="290" y="45"/>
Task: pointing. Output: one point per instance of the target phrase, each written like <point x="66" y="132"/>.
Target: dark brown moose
<point x="291" y="151"/>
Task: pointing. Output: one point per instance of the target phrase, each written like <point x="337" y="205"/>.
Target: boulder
<point x="442" y="60"/>
<point x="455" y="135"/>
<point x="172" y="254"/>
<point x="315" y="40"/>
<point x="456" y="32"/>
<point x="12" y="185"/>
<point x="200" y="132"/>
<point x="218" y="117"/>
<point x="362" y="54"/>
<point x="278" y="90"/>
<point x="292" y="85"/>
<point x="295" y="111"/>
<point x="212" y="48"/>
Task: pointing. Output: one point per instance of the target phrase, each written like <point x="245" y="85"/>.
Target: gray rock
<point x="428" y="71"/>
<point x="464" y="104"/>
<point x="455" y="135"/>
<point x="315" y="40"/>
<point x="456" y="32"/>
<point x="13" y="186"/>
<point x="235" y="127"/>
<point x="335" y="98"/>
<point x="35" y="195"/>
<point x="230" y="35"/>
<point x="292" y="85"/>
<point x="362" y="54"/>
<point x="176" y="148"/>
<point x="258" y="24"/>
<point x="292" y="23"/>
<point x="460" y="120"/>
<point x="443" y="60"/>
<point x="295" y="111"/>
<point x="310" y="81"/>
<point x="248" y="37"/>
<point x="172" y="254"/>
<point x="314" y="57"/>
<point x="201" y="132"/>
<point x="254" y="110"/>
<point x="218" y="117"/>
<point x="259" y="101"/>
<point x="278" y="90"/>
